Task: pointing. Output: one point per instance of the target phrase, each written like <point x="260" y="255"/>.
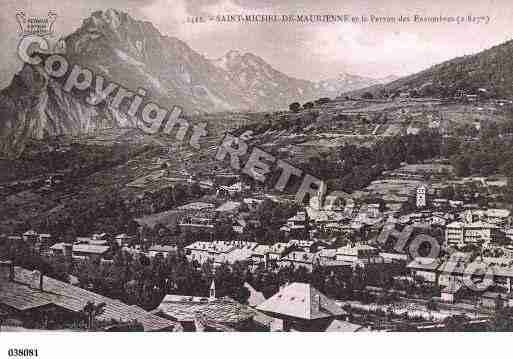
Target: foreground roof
<point x="223" y="310"/>
<point x="23" y="294"/>
<point x="345" y="326"/>
<point x="301" y="300"/>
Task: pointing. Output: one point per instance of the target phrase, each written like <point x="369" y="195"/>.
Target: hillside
<point x="490" y="70"/>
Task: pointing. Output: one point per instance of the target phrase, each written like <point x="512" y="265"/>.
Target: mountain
<point x="345" y="82"/>
<point x="489" y="71"/>
<point x="261" y="83"/>
<point x="35" y="106"/>
<point x="136" y="55"/>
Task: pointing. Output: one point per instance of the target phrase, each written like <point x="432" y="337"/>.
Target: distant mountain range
<point x="347" y="82"/>
<point x="136" y="55"/>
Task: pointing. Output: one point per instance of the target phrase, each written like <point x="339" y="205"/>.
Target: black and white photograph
<point x="271" y="166"/>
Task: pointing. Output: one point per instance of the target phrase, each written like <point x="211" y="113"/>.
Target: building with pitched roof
<point x="48" y="303"/>
<point x="301" y="307"/>
<point x="300" y="259"/>
<point x="164" y="250"/>
<point x="92" y="251"/>
<point x="359" y="254"/>
<point x="207" y="313"/>
<point x="460" y="233"/>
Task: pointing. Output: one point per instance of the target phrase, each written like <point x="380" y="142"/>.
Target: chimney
<point x="11" y="271"/>
<point x="37" y="279"/>
<point x="67" y="250"/>
<point x="317" y="302"/>
<point x="212" y="291"/>
<point x="198" y="322"/>
<point x="7" y="270"/>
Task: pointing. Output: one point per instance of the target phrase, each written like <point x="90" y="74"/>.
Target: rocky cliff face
<point x="35" y="106"/>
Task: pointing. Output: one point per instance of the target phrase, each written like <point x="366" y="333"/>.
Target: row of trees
<point x="143" y="281"/>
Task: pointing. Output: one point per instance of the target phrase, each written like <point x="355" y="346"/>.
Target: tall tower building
<point x="421" y="196"/>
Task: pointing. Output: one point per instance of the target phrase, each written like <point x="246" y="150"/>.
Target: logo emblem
<point x="39" y="26"/>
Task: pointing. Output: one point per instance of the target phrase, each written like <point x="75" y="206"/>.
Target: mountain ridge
<point x="490" y="69"/>
<point x="135" y="54"/>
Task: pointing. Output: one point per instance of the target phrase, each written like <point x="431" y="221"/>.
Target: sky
<point x="312" y="51"/>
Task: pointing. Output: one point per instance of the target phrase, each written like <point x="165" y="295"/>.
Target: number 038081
<point x="22" y="352"/>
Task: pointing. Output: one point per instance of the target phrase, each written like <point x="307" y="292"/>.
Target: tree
<point x="367" y="95"/>
<point x="502" y="320"/>
<point x="308" y="105"/>
<point x="432" y="305"/>
<point x="295" y="107"/>
<point x="91" y="311"/>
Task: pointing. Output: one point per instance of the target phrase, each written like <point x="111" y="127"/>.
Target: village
<point x="266" y="263"/>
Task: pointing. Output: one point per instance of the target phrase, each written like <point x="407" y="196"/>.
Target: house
<point x="328" y="258"/>
<point x="208" y="313"/>
<point x="252" y="203"/>
<point x="301" y="307"/>
<point x="242" y="252"/>
<point x="220" y="251"/>
<point x="459" y="233"/>
<point x="207" y="251"/>
<point x="30" y="236"/>
<point x="95" y="241"/>
<point x="267" y="254"/>
<point x="260" y="254"/>
<point x="164" y="250"/>
<point x="80" y="251"/>
<point x="497" y="216"/>
<point x="197" y="216"/>
<point x="450" y="292"/>
<point x="390" y="257"/>
<point x="471" y="97"/>
<point x="123" y="239"/>
<point x="300" y="259"/>
<point x="47" y="303"/>
<point x="302" y="244"/>
<point x="425" y="268"/>
<point x="196" y="206"/>
<point x="235" y="189"/>
<point x="296" y="223"/>
<point x="359" y="254"/>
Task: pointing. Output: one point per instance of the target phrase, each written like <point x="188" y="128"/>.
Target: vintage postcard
<point x="255" y="166"/>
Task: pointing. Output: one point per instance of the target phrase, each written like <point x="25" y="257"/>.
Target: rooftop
<point x="184" y="308"/>
<point x="159" y="248"/>
<point x="23" y="294"/>
<point x="83" y="248"/>
<point x="344" y="326"/>
<point x="298" y="256"/>
<point x="303" y="301"/>
<point x="196" y="206"/>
